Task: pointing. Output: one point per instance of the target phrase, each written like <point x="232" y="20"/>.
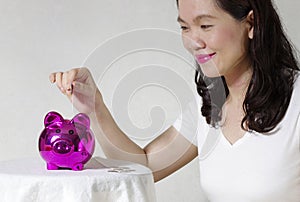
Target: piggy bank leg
<point x="77" y="166"/>
<point x="51" y="166"/>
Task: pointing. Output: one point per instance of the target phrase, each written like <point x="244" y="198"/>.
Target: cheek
<point x="187" y="43"/>
<point x="221" y="38"/>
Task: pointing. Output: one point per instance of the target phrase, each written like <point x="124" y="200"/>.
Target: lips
<point x="203" y="58"/>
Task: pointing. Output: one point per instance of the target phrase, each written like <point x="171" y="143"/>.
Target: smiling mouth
<point x="203" y="58"/>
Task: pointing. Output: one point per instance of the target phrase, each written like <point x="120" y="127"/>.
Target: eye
<point x="206" y="26"/>
<point x="184" y="28"/>
<point x="71" y="132"/>
<point x="58" y="131"/>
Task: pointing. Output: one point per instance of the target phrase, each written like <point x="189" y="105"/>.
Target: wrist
<point x="99" y="108"/>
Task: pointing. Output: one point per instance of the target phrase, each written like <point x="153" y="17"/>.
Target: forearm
<point x="114" y="143"/>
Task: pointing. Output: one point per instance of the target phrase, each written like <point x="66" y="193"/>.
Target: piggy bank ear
<point x="81" y="119"/>
<point x="53" y="117"/>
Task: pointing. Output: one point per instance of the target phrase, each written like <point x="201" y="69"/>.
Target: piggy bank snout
<point x="62" y="146"/>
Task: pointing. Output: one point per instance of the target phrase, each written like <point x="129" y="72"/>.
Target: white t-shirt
<point x="256" y="168"/>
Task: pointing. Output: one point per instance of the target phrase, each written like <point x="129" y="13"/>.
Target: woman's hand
<point x="79" y="86"/>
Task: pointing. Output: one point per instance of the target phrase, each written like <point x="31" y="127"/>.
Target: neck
<point x="238" y="83"/>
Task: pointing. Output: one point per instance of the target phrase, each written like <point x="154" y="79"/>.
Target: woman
<point x="241" y="50"/>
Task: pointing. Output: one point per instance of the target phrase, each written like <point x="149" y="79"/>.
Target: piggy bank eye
<point x="71" y="132"/>
<point x="57" y="131"/>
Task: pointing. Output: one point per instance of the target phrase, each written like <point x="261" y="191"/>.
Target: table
<point x="102" y="180"/>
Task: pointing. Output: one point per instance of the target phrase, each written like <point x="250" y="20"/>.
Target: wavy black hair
<point x="275" y="67"/>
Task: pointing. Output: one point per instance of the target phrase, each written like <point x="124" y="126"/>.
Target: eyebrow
<point x="198" y="18"/>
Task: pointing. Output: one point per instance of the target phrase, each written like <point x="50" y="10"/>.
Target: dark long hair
<point x="274" y="65"/>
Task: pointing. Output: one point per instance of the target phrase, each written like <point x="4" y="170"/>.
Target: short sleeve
<point x="187" y="123"/>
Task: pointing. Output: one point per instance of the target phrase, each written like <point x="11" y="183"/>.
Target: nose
<point x="194" y="41"/>
<point x="62" y="147"/>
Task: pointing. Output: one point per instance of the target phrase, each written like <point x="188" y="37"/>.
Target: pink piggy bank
<point x="66" y="143"/>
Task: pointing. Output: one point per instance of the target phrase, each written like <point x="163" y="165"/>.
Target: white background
<point x="38" y="37"/>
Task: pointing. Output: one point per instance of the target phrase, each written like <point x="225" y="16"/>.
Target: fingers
<point x="66" y="83"/>
<point x="52" y="77"/>
<point x="58" y="81"/>
<point x="64" y="80"/>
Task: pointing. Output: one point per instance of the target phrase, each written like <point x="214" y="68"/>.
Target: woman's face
<point x="218" y="42"/>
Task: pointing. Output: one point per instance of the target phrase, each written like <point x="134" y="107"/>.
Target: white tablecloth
<point x="28" y="180"/>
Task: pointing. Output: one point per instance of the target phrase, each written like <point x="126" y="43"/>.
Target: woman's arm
<point x="164" y="155"/>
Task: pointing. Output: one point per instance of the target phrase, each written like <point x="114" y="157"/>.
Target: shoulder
<point x="293" y="110"/>
<point x="296" y="89"/>
<point x="297" y="80"/>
